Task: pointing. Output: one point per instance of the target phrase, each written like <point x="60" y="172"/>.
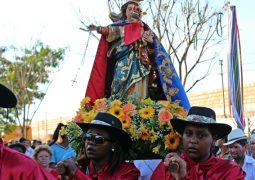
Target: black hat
<point x="18" y="145"/>
<point x="202" y="116"/>
<point x="7" y="98"/>
<point x="113" y="125"/>
<point x="22" y="139"/>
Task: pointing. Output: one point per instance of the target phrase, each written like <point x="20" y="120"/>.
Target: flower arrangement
<point x="145" y="120"/>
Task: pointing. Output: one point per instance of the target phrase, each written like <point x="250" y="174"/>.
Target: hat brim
<point x="8" y="99"/>
<point x="119" y="134"/>
<point x="233" y="141"/>
<point x="221" y="129"/>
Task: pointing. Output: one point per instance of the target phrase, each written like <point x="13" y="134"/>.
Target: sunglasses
<point x="97" y="139"/>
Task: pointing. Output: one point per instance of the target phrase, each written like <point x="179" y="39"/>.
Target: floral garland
<point x="145" y="120"/>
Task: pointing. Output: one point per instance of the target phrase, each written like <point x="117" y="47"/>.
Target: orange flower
<point x="125" y="120"/>
<point x="101" y="107"/>
<point x="172" y="141"/>
<point x="181" y="111"/>
<point x="164" y="115"/>
<point x="129" y="109"/>
<point x="78" y="117"/>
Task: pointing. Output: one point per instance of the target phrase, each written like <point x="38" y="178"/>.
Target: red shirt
<point x="212" y="169"/>
<point x="125" y="171"/>
<point x="14" y="165"/>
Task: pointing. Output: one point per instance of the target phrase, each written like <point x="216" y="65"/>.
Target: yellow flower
<point x="62" y="131"/>
<point x="172" y="141"/>
<point x="85" y="101"/>
<point x="155" y="150"/>
<point x="125" y="120"/>
<point x="145" y="121"/>
<point x="88" y="116"/>
<point x="99" y="101"/>
<point x="116" y="103"/>
<point x="153" y="136"/>
<point x="146" y="113"/>
<point x="165" y="125"/>
<point x="147" y="101"/>
<point x="169" y="126"/>
<point x="145" y="135"/>
<point x="116" y="111"/>
<point x="133" y="131"/>
<point x="164" y="103"/>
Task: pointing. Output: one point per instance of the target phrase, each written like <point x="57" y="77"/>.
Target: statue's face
<point x="132" y="8"/>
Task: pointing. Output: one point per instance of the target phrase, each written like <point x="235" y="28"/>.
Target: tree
<point x="26" y="75"/>
<point x="191" y="31"/>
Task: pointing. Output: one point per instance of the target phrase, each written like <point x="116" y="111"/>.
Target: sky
<point x="56" y="23"/>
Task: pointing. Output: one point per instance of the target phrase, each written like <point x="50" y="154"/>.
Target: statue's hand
<point x="92" y="27"/>
<point x="148" y="36"/>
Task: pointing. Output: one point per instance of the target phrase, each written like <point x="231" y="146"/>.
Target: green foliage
<point x="10" y="127"/>
<point x="7" y="120"/>
<point x="75" y="138"/>
<point x="26" y="74"/>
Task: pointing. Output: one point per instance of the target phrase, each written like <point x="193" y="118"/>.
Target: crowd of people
<point x="211" y="150"/>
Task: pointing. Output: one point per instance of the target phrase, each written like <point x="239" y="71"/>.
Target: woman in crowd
<point x="105" y="145"/>
<point x="199" y="133"/>
<point x="42" y="156"/>
<point x="60" y="146"/>
<point x="129" y="60"/>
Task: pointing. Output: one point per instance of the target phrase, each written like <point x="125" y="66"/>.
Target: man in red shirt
<point x="14" y="165"/>
<point x="199" y="132"/>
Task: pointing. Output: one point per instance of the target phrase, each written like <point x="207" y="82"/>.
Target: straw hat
<point x="235" y="135"/>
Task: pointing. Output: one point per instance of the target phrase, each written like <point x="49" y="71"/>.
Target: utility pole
<point x="38" y="131"/>
<point x="46" y="129"/>
<point x="249" y="126"/>
<point x="222" y="83"/>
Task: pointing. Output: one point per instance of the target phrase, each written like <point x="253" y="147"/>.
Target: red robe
<point x="96" y="85"/>
<point x="213" y="169"/>
<point x="14" y="165"/>
<point x="125" y="171"/>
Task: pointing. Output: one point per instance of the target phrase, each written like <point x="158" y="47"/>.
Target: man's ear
<point x="246" y="146"/>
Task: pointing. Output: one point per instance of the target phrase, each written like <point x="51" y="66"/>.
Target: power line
<point x="82" y="61"/>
